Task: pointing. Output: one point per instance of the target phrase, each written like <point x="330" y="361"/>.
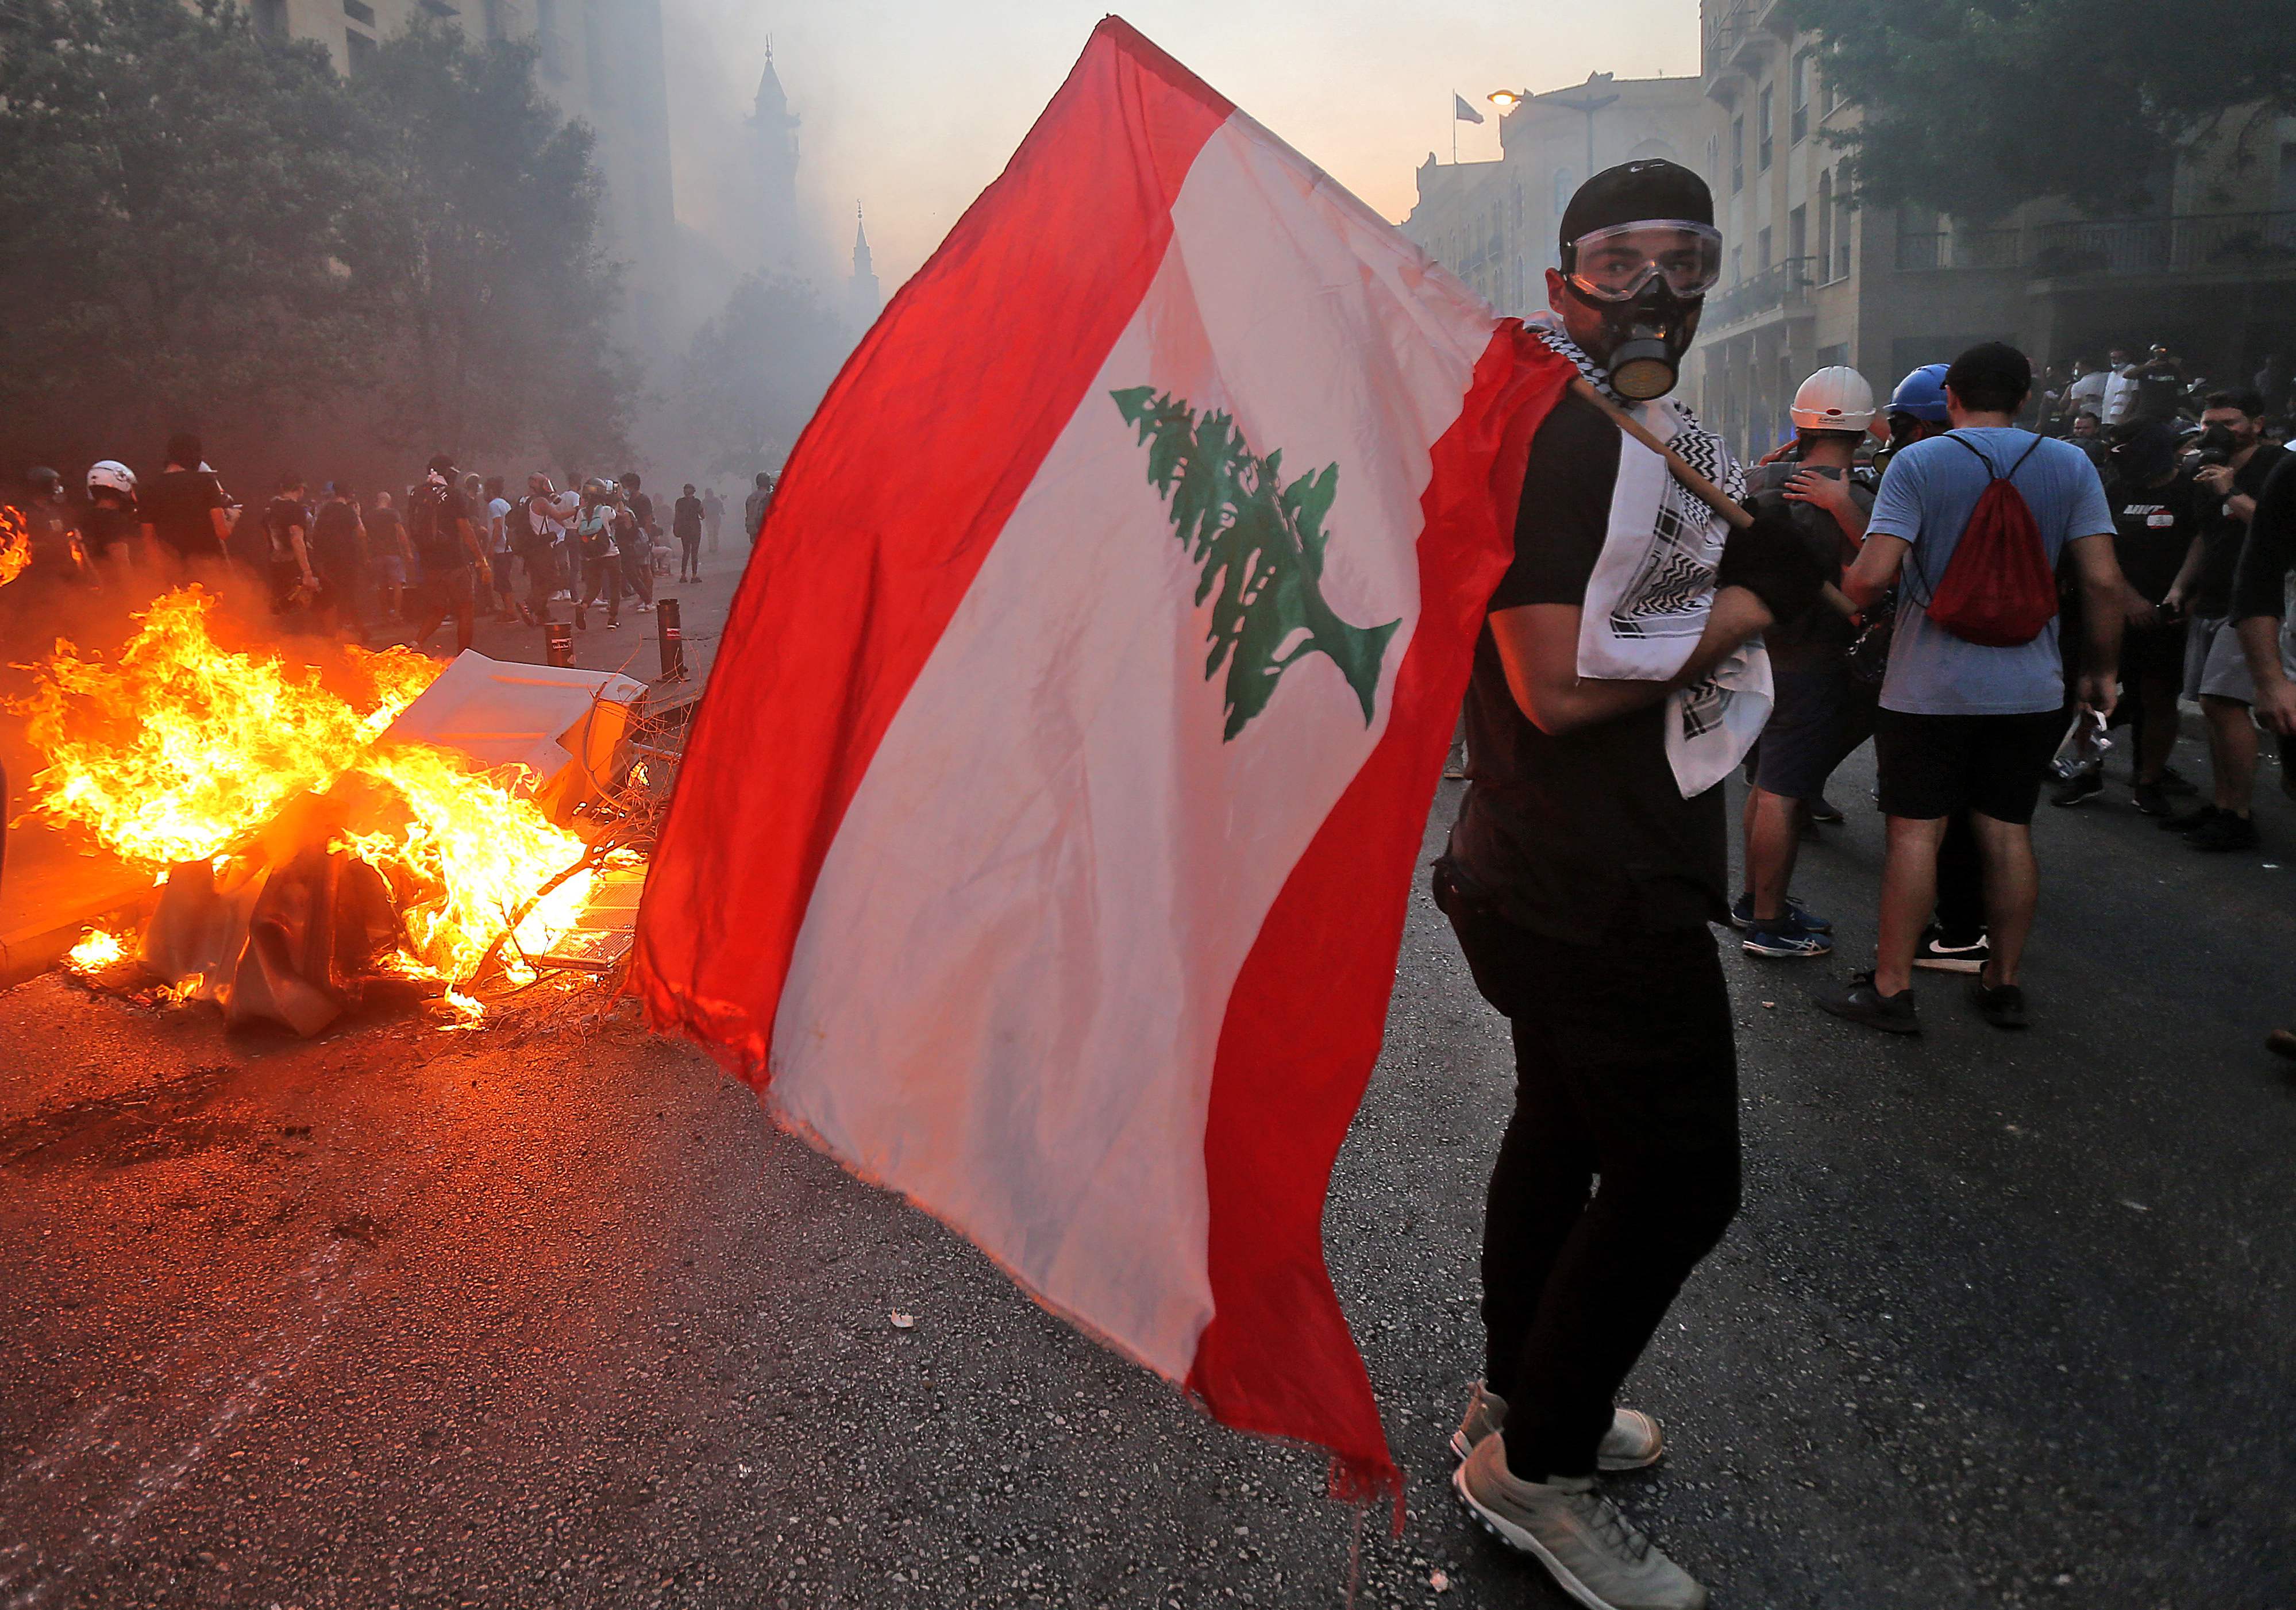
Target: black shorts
<point x="1821" y="714"/>
<point x="1933" y="766"/>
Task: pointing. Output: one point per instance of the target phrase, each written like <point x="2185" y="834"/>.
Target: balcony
<point x="2222" y="242"/>
<point x="1730" y="34"/>
<point x="1771" y="288"/>
<point x="1920" y="251"/>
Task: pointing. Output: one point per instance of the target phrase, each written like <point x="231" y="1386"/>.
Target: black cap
<point x="443" y="462"/>
<point x="1652" y="188"/>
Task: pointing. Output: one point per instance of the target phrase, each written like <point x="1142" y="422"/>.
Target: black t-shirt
<point x="382" y="530"/>
<point x="175" y="505"/>
<point x="1587" y="834"/>
<point x="685" y="519"/>
<point x="281" y="516"/>
<point x="642" y="510"/>
<point x="435" y="529"/>
<point x="2222" y="535"/>
<point x="104" y="525"/>
<point x="2269" y="553"/>
<point x="49" y="524"/>
<point x="335" y="534"/>
<point x="2152" y="531"/>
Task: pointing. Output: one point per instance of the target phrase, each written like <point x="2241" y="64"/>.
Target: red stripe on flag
<point x="1305" y="1019"/>
<point x="894" y="494"/>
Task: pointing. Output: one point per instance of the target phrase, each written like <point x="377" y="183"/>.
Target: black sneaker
<point x="2282" y="1042"/>
<point x="2001" y="1005"/>
<point x="2225" y="831"/>
<point x="2081" y="785"/>
<point x="2150" y="798"/>
<point x="2173" y="781"/>
<point x="2188" y="822"/>
<point x="1742" y="916"/>
<point x="1862" y="1003"/>
<point x="1938" y="954"/>
<point x="1823" y="809"/>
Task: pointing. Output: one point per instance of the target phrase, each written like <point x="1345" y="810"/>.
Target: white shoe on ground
<point x="1632" y="1442"/>
<point x="1593" y="1552"/>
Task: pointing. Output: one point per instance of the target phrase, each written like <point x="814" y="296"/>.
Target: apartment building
<point x="1811" y="277"/>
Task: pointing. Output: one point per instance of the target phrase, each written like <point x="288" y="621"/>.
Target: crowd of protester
<point x="380" y="565"/>
<point x="2164" y="507"/>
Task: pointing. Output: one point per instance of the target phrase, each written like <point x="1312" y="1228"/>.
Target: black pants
<point x="1626" y="1068"/>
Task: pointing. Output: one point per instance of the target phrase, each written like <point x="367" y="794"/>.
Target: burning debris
<point x="311" y="842"/>
<point x="15" y="544"/>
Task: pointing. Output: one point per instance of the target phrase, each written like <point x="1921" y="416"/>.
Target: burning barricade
<point x="391" y="819"/>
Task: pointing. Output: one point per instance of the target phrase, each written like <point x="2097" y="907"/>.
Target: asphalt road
<point x="550" y="1315"/>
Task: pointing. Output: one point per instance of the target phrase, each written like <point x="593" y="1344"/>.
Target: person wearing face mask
<point x="1616" y="683"/>
<point x="2234" y="462"/>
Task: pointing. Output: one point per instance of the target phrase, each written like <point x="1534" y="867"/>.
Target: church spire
<point x="861" y="291"/>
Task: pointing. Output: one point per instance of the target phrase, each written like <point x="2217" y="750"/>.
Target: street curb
<point x="32" y="950"/>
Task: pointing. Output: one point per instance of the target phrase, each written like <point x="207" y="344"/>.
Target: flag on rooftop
<point x="1043" y="842"/>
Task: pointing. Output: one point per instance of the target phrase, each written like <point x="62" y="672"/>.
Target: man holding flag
<point x="1042" y="846"/>
<point x="1618" y="679"/>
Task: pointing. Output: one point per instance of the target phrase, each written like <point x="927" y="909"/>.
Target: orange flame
<point x="15" y="544"/>
<point x="181" y="748"/>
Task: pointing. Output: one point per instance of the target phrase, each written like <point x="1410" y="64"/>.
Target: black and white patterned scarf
<point x="1653" y="585"/>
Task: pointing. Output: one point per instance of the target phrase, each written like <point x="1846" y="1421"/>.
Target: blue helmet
<point x="1922" y="394"/>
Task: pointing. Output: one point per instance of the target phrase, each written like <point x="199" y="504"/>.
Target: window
<point x="1826" y="224"/>
<point x="1797" y="242"/>
<point x="1762" y="251"/>
<point x="1737" y="154"/>
<point x="1563" y="189"/>
<point x="1828" y="97"/>
<point x="1800" y="97"/>
<point x="1714" y="162"/>
<point x="358" y="49"/>
<point x="1841" y="232"/>
<point x="1763" y="164"/>
<point x="271" y="18"/>
<point x="1737" y="264"/>
<point x="359" y="12"/>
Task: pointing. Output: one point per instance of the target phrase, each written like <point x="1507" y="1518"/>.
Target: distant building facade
<point x="1494" y="223"/>
<point x="1810" y="278"/>
<point x="599" y="61"/>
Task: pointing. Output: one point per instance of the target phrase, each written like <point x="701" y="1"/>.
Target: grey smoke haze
<point x="913" y="105"/>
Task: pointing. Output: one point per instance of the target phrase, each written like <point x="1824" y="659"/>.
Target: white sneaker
<point x="1632" y="1442"/>
<point x="1593" y="1552"/>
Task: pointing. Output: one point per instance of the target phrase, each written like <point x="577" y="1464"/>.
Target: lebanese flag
<point x="1042" y="845"/>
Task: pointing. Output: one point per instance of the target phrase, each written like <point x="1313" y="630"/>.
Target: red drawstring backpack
<point x="1998" y="589"/>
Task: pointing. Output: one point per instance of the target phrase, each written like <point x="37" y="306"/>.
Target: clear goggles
<point x="1618" y="264"/>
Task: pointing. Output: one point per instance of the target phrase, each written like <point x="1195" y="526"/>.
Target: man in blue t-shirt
<point x="1965" y="726"/>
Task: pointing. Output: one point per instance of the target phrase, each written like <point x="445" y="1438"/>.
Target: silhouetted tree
<point x="1973" y="106"/>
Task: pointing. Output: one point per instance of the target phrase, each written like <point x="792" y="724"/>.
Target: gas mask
<point x="1648" y="282"/>
<point x="2218" y="444"/>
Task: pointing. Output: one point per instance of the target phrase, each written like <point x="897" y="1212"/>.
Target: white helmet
<point x="111" y="475"/>
<point x="1833" y="399"/>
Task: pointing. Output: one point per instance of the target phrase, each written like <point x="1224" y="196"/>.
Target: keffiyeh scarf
<point x="1653" y="585"/>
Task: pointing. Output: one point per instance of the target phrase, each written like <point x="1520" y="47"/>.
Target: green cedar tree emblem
<point x="1262" y="544"/>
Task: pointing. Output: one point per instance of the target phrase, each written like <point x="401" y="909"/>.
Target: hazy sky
<point x="913" y="106"/>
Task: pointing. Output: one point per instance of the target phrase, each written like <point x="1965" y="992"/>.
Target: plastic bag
<point x="2083" y="750"/>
